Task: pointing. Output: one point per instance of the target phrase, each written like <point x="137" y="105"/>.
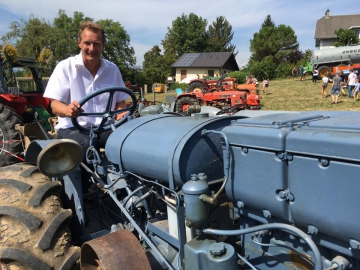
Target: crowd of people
<point x="339" y="83"/>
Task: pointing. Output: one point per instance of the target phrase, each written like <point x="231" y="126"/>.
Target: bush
<point x="239" y="75"/>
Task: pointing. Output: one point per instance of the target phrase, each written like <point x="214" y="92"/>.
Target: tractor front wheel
<point x="183" y="103"/>
<point x="33" y="224"/>
<point x="10" y="141"/>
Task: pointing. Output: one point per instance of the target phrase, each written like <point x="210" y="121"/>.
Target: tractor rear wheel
<point x="196" y="87"/>
<point x="183" y="103"/>
<point x="33" y="225"/>
<point x="324" y="70"/>
<point x="10" y="140"/>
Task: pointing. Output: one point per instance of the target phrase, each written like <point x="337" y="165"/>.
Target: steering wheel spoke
<point x="107" y="121"/>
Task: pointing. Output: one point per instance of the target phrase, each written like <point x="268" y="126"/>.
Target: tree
<point x="220" y="35"/>
<point x="64" y="39"/>
<point x="117" y="46"/>
<point x="345" y="37"/>
<point x="30" y="36"/>
<point x="268" y="22"/>
<point x="155" y="67"/>
<point x="186" y="35"/>
<point x="280" y="42"/>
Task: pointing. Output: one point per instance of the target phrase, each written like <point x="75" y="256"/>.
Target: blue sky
<point x="146" y="21"/>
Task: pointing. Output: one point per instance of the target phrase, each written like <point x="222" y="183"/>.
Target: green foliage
<point x="264" y="68"/>
<point x="60" y="37"/>
<point x="345" y="37"/>
<point x="239" y="75"/>
<point x="279" y="42"/>
<point x="30" y="36"/>
<point x="155" y="66"/>
<point x="65" y="34"/>
<point x="186" y="35"/>
<point x="268" y="22"/>
<point x="176" y="85"/>
<point x="117" y="47"/>
<point x="220" y="35"/>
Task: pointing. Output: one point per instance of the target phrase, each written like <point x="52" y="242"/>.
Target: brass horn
<point x="55" y="158"/>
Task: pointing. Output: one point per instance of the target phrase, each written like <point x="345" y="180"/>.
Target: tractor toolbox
<point x="289" y="167"/>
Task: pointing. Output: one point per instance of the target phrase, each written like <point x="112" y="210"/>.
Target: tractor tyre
<point x="33" y="224"/>
<point x="183" y="103"/>
<point x="196" y="87"/>
<point x="324" y="70"/>
<point x="10" y="139"/>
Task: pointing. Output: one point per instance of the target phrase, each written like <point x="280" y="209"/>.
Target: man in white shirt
<point x="351" y="82"/>
<point x="78" y="76"/>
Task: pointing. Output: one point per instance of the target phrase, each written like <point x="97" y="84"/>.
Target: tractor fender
<point x="192" y="95"/>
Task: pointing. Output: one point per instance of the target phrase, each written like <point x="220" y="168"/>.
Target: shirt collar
<point x="80" y="62"/>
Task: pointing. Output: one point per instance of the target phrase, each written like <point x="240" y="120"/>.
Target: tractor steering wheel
<point x="107" y="121"/>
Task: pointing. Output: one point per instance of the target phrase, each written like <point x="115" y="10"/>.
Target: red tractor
<point x="224" y="94"/>
<point x="20" y="104"/>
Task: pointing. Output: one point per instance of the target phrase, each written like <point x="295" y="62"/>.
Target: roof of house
<point x="326" y="26"/>
<point x="209" y="59"/>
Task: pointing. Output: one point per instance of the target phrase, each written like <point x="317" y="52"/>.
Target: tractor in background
<point x="21" y="105"/>
<point x="224" y="94"/>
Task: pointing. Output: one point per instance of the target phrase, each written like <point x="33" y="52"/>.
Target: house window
<point x="183" y="74"/>
<point x="211" y="72"/>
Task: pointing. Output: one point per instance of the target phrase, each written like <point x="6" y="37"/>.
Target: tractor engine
<point x="278" y="190"/>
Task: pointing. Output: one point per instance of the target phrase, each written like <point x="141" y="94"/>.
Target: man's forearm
<point x="61" y="109"/>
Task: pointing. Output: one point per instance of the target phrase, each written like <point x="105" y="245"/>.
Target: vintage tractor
<point x="18" y="105"/>
<point x="265" y="191"/>
<point x="223" y="94"/>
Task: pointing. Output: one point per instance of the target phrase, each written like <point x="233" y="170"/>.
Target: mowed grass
<point x="289" y="95"/>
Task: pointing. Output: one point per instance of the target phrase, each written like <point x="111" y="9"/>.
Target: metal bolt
<point x="283" y="194"/>
<point x="245" y="150"/>
<point x="324" y="162"/>
<point x="354" y="244"/>
<point x="240" y="204"/>
<point x="267" y="214"/>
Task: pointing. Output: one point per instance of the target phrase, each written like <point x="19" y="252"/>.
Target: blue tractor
<point x="255" y="190"/>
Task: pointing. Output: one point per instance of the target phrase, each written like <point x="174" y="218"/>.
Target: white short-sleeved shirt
<point x="352" y="78"/>
<point x="71" y="80"/>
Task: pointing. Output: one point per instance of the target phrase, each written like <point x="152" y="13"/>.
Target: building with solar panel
<point x="212" y="64"/>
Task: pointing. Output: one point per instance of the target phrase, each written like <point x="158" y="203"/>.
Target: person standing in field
<point x="315" y="75"/>
<point x="265" y="85"/>
<point x="294" y="73"/>
<point x="325" y="81"/>
<point x="351" y="82"/>
<point x="335" y="88"/>
<point x="301" y="73"/>
<point x="356" y="89"/>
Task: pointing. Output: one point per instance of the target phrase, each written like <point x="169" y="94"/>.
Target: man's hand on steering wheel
<point x="107" y="121"/>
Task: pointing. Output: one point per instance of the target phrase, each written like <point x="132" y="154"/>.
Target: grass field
<point x="290" y="95"/>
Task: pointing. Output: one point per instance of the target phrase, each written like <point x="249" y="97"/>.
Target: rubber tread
<point x="24" y="257"/>
<point x="50" y="231"/>
<point x="18" y="185"/>
<point x="30" y="221"/>
<point x="71" y="260"/>
<point x="18" y="217"/>
<point x="39" y="194"/>
<point x="28" y="172"/>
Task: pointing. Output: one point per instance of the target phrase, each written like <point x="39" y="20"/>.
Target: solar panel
<point x="186" y="59"/>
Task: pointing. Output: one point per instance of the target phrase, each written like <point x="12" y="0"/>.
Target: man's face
<point x="91" y="46"/>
